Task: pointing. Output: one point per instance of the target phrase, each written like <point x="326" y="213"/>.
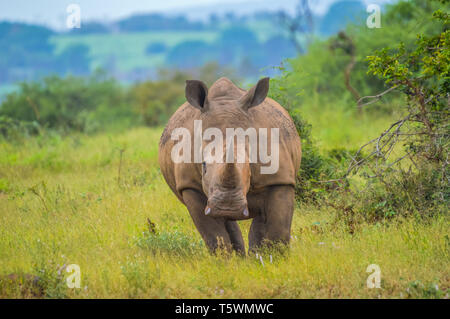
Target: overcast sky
<point x="52" y="13"/>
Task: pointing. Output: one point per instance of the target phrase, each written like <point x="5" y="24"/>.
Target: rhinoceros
<point x="218" y="193"/>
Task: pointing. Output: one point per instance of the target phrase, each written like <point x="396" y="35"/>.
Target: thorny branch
<point x="374" y="98"/>
<point x="383" y="145"/>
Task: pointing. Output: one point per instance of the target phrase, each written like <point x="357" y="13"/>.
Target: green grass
<point x="61" y="202"/>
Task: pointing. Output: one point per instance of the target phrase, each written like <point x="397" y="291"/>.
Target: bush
<point x="406" y="168"/>
<point x="404" y="194"/>
<point x="321" y="71"/>
<point x="156" y="101"/>
<point x="96" y="103"/>
<point x="70" y="103"/>
<point x="15" y="129"/>
<point x="315" y="167"/>
<point x="392" y="187"/>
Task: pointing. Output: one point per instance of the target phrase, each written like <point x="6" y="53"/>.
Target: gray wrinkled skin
<point x="218" y="194"/>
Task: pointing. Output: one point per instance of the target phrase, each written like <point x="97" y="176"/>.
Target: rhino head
<point x="227" y="182"/>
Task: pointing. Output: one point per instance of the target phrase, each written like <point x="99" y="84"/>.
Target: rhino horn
<point x="230" y="176"/>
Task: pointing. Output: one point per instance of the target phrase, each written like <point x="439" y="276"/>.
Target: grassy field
<point x="85" y="200"/>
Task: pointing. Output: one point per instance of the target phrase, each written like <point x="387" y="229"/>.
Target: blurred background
<point x="94" y="65"/>
<point x="139" y="40"/>
<point x="82" y="65"/>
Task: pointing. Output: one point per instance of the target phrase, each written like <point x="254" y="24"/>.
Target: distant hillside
<point x="135" y="47"/>
<point x="27" y="53"/>
<point x="153" y="22"/>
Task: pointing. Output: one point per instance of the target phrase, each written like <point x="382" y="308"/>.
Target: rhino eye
<point x="204" y="167"/>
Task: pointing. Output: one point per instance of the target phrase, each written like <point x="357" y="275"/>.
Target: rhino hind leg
<point x="273" y="224"/>
<point x="216" y="232"/>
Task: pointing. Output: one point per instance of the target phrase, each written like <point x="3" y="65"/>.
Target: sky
<point x="52" y="13"/>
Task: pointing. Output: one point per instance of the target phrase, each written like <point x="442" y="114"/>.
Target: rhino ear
<point x="196" y="94"/>
<point x="255" y="95"/>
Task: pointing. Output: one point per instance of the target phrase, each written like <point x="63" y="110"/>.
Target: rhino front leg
<point x="273" y="224"/>
<point x="216" y="232"/>
<point x="235" y="234"/>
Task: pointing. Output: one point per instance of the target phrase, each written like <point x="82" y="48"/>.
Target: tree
<point x="421" y="136"/>
<point x="344" y="42"/>
<point x="301" y="24"/>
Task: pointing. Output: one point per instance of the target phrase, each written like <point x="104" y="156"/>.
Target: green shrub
<point x="406" y="168"/>
<point x="320" y="72"/>
<point x="421" y="70"/>
<point x="13" y="129"/>
<point x="315" y="167"/>
<point x="70" y="103"/>
<point x="156" y="101"/>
